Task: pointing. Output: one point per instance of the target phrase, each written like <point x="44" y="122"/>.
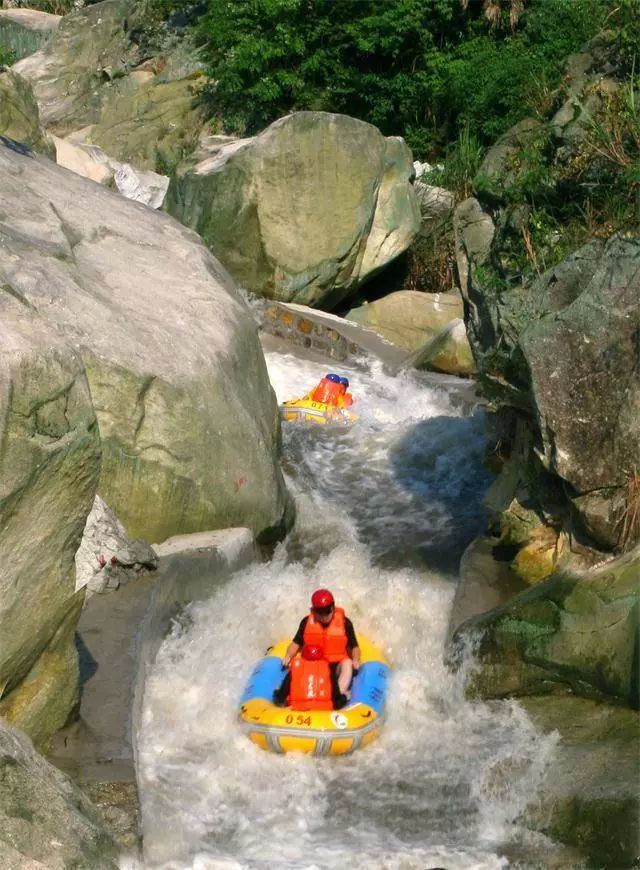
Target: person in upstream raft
<point x="327" y="627"/>
<point x="332" y="391"/>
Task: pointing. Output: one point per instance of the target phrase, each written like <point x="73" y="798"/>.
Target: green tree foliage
<point x="421" y="68"/>
<point x="368" y="58"/>
<point x="492" y="82"/>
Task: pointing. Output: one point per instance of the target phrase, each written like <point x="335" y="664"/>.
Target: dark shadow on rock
<point x="18" y="147"/>
<point x="88" y="665"/>
<point x="504" y="552"/>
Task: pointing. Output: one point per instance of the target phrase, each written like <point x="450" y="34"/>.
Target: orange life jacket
<point x="345" y="400"/>
<point x="327" y="392"/>
<point x="310" y="685"/>
<point x="332" y="639"/>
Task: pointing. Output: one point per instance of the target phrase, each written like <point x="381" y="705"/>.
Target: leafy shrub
<point x="460" y="164"/>
<point x="624" y="19"/>
<point x="421" y="68"/>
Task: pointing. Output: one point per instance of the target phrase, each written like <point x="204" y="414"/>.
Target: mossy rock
<point x="43" y="701"/>
<point x="575" y="632"/>
<point x="537" y="559"/>
<point x="19" y="117"/>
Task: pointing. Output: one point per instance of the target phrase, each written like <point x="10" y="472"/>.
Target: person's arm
<point x="355" y="658"/>
<point x="352" y="644"/>
<point x="281" y="694"/>
<point x="292" y="649"/>
<point x="296" y="644"/>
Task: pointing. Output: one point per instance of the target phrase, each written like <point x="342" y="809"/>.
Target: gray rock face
<point x="188" y="421"/>
<point x="49" y="469"/>
<point x="474" y="235"/>
<point x="589" y="794"/>
<point x="305" y="211"/>
<point x="565" y="350"/>
<point x="45" y="820"/>
<point x="584" y="366"/>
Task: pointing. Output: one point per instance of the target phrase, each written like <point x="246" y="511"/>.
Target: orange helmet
<point x="312" y="653"/>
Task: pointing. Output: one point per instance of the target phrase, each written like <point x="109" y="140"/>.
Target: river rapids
<point x="384" y="511"/>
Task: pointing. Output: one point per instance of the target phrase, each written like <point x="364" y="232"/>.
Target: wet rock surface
<point x="589" y="798"/>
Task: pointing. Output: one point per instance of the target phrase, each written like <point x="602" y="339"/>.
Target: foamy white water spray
<point x="432" y="792"/>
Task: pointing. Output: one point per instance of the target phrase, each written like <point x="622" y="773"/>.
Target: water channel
<point x="384" y="511"/>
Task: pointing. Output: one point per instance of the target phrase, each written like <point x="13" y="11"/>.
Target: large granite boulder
<point x="45" y="820"/>
<point x="19" y="118"/>
<point x="408" y="318"/>
<point x="23" y="31"/>
<point x="95" y="74"/>
<point x="188" y="420"/>
<point x="49" y="468"/>
<point x="573" y="632"/>
<point x="307" y="210"/>
<point x="150" y="124"/>
<point x="448" y="352"/>
<point x="582" y="358"/>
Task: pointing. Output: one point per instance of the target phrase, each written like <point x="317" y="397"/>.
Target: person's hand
<point x="356" y="665"/>
<point x="286" y="661"/>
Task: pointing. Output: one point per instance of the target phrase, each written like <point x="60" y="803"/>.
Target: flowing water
<point x="384" y="509"/>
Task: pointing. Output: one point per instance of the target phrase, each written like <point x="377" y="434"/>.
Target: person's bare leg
<point x="345" y="673"/>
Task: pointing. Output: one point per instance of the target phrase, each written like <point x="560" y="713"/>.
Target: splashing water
<point x="382" y="510"/>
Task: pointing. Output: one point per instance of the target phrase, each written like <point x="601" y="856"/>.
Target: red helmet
<point x="312" y="653"/>
<point x="321" y="598"/>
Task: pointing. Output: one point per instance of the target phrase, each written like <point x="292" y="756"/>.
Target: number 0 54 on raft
<point x="321" y="732"/>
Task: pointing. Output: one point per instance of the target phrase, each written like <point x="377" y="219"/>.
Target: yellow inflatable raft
<point x="306" y="410"/>
<point x="321" y="732"/>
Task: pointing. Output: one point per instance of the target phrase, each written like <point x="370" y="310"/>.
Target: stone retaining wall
<point x="299" y="329"/>
<point x="325" y="333"/>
